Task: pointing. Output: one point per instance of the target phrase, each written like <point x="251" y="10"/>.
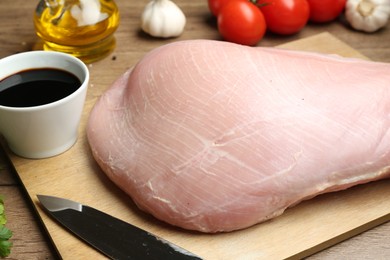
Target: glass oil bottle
<point x="82" y="28"/>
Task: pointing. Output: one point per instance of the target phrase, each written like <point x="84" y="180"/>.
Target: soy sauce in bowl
<point x="37" y="87"/>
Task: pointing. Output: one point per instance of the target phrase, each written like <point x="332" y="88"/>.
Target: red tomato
<point x="240" y="21"/>
<point x="215" y="6"/>
<point x="286" y="16"/>
<point x="322" y="11"/>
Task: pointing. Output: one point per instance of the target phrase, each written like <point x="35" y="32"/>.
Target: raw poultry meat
<point x="213" y="136"/>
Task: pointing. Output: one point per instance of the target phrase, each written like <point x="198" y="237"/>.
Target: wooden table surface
<point x="17" y="35"/>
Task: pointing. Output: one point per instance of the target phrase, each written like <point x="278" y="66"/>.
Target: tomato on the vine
<point x="215" y="6"/>
<point x="242" y="22"/>
<point x="285" y="16"/>
<point x="322" y="11"/>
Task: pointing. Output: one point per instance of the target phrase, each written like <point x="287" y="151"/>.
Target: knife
<point x="109" y="235"/>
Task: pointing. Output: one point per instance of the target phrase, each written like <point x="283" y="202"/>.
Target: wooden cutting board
<point x="302" y="230"/>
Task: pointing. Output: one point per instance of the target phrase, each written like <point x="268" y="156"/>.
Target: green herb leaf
<point x="3" y="219"/>
<point x="5" y="248"/>
<point x="5" y="233"/>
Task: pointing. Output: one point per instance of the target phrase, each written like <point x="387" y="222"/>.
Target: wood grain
<point x="17" y="35"/>
<point x="29" y="236"/>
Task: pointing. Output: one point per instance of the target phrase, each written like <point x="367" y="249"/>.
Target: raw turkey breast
<point x="213" y="136"/>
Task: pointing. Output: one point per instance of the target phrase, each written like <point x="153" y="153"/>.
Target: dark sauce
<point x="37" y="87"/>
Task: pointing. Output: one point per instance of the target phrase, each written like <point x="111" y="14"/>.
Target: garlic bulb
<point x="367" y="15"/>
<point x="163" y="18"/>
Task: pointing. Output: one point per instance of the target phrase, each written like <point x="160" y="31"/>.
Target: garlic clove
<point x="88" y="12"/>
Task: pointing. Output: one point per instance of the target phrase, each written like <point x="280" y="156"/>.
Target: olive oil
<point x="83" y="28"/>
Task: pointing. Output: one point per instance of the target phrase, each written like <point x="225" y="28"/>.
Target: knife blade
<point x="111" y="236"/>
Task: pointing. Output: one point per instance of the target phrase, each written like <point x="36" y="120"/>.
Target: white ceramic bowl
<point x="45" y="130"/>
